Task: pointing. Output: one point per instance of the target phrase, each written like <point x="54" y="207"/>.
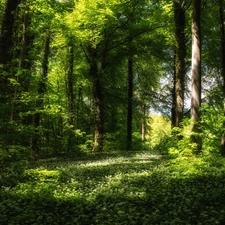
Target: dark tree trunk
<point x="180" y="70"/>
<point x="70" y="94"/>
<point x="23" y="66"/>
<point x="98" y="102"/>
<point x="41" y="91"/>
<point x="6" y="35"/>
<point x="70" y="83"/>
<point x="173" y="94"/>
<point x="196" y="75"/>
<point x="130" y="104"/>
<point x="6" y="48"/>
<point x="222" y="38"/>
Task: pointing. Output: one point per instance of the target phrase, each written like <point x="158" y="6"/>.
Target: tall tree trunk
<point x="6" y="55"/>
<point x="70" y="94"/>
<point x="6" y="47"/>
<point x="25" y="40"/>
<point x="41" y="91"/>
<point x="180" y="54"/>
<point x="222" y="39"/>
<point x="98" y="102"/>
<point x="196" y="75"/>
<point x="173" y="94"/>
<point x="79" y="108"/>
<point x="130" y="104"/>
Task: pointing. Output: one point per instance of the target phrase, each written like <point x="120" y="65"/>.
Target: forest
<point x="112" y="112"/>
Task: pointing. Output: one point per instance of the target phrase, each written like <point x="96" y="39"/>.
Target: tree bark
<point x="222" y="40"/>
<point x="98" y="102"/>
<point x="180" y="54"/>
<point x="196" y="75"/>
<point x="173" y="94"/>
<point x="25" y="41"/>
<point x="143" y="124"/>
<point x="6" y="47"/>
<point x="130" y="104"/>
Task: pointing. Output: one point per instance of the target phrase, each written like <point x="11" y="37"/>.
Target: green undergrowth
<point x="114" y="188"/>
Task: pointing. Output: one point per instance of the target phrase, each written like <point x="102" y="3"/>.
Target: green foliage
<point x="212" y="129"/>
<point x="177" y="143"/>
<point x="13" y="154"/>
<point x="160" y="128"/>
<point x="114" y="188"/>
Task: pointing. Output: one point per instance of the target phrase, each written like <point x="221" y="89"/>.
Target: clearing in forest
<point x="114" y="188"/>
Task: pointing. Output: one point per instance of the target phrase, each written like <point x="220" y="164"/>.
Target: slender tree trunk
<point x="143" y="124"/>
<point x="79" y="108"/>
<point x="222" y="38"/>
<point x="180" y="70"/>
<point x="70" y="95"/>
<point x="98" y="102"/>
<point x="130" y="104"/>
<point x="70" y="83"/>
<point x="173" y="108"/>
<point x="196" y="75"/>
<point x="41" y="91"/>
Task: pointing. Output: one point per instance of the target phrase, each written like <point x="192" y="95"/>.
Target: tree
<point x="70" y="91"/>
<point x="40" y="99"/>
<point x="222" y="40"/>
<point x="180" y="54"/>
<point x="23" y="74"/>
<point x="6" y="48"/>
<point x="109" y="33"/>
<point x="6" y="68"/>
<point x="130" y="104"/>
<point x="196" y="75"/>
<point x="96" y="78"/>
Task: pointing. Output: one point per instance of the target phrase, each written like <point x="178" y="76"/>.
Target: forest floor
<point x="117" y="188"/>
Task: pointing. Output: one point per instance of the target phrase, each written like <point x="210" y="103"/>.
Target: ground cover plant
<point x="114" y="188"/>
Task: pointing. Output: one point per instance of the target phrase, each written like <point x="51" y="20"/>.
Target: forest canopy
<point x="92" y="76"/>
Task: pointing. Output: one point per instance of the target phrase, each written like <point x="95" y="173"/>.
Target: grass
<point x="114" y="188"/>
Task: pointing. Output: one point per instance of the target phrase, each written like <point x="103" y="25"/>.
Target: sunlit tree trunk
<point x="130" y="104"/>
<point x="196" y="75"/>
<point x="98" y="102"/>
<point x="143" y="124"/>
<point x="180" y="54"/>
<point x="41" y="92"/>
<point x="222" y="38"/>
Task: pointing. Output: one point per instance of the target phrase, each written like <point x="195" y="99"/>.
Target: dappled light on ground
<point x="121" y="188"/>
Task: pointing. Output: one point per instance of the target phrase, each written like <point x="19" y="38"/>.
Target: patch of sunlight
<point x="148" y="155"/>
<point x="119" y="185"/>
<point x="188" y="166"/>
<point x="66" y="192"/>
<point x="143" y="157"/>
<point x="42" y="175"/>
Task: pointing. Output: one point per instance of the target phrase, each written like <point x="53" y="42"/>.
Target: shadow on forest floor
<point x="116" y="188"/>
